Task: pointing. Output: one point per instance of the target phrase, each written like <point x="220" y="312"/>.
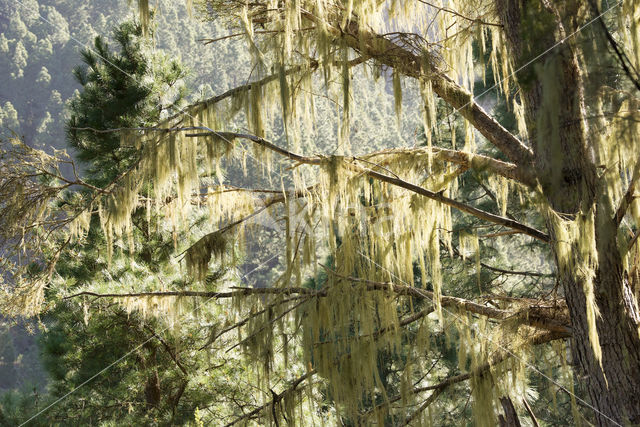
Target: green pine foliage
<point x="129" y="88"/>
<point x="165" y="380"/>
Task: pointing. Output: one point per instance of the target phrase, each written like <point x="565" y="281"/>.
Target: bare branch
<point x="530" y="412"/>
<point x="626" y="64"/>
<point x="424" y="406"/>
<point x="201" y="294"/>
<point x="481" y="370"/>
<point x="229" y="36"/>
<point x="167" y="348"/>
<point x="275" y="400"/>
<point x="246" y="320"/>
<point x="514" y="272"/>
<point x="453" y="12"/>
<point x="309" y="374"/>
<point x="280" y="198"/>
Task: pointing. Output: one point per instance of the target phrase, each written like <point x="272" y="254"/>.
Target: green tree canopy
<point x="127" y="89"/>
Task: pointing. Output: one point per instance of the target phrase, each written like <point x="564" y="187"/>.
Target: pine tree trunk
<point x="614" y="389"/>
<point x="566" y="170"/>
<point x="613" y="386"/>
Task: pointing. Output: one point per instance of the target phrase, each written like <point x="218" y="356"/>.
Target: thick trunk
<point x="566" y="170"/>
<point x="614" y="388"/>
<point x="552" y="93"/>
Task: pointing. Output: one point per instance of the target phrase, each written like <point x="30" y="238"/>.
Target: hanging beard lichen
<point x="342" y="341"/>
<point x="171" y="309"/>
<point x="80" y="225"/>
<point x="115" y="215"/>
<point x="577" y="257"/>
<point x="200" y="253"/>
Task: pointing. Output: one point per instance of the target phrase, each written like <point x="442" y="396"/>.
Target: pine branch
<point x="262" y="142"/>
<point x="477" y="162"/>
<point x="549" y="318"/>
<point x="438" y="196"/>
<point x="424" y="68"/>
<point x="487" y="216"/>
<point x="312" y="65"/>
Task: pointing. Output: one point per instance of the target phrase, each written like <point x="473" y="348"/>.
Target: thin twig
<point x="453" y="12"/>
<point x="531" y="414"/>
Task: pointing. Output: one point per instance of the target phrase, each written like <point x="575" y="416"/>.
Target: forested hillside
<point x="42" y="41"/>
<point x="320" y="213"/>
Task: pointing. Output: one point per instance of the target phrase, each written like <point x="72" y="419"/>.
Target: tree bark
<point x="614" y="389"/>
<point x="510" y="417"/>
<point x="566" y="170"/>
<point x="614" y="386"/>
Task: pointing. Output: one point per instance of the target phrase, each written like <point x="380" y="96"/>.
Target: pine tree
<point x="121" y="88"/>
<point x="126" y="89"/>
<point x="561" y="188"/>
